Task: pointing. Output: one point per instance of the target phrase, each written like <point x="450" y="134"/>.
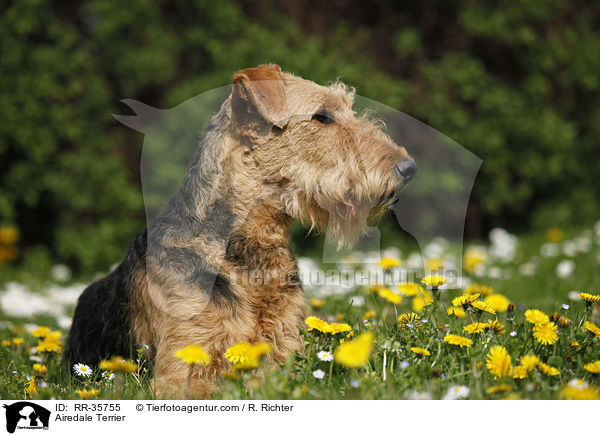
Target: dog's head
<point x="331" y="166"/>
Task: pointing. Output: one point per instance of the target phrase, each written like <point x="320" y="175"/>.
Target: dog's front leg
<point x="174" y="378"/>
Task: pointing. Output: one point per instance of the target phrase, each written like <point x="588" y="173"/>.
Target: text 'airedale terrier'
<point x="280" y="149"/>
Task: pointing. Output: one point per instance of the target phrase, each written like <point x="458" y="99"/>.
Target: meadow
<point x="522" y="324"/>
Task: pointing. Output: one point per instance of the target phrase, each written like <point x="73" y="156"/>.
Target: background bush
<point x="515" y="82"/>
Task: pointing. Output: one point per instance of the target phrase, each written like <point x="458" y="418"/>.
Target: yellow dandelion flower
<point x="476" y="327"/>
<point x="498" y="302"/>
<point x="458" y="312"/>
<point x="474" y="257"/>
<point x="479" y="289"/>
<point x="589" y="298"/>
<point x="50" y="344"/>
<point x="18" y="341"/>
<point x="545" y="333"/>
<point x="317" y="303"/>
<point x="592" y="328"/>
<point x="54" y="335"/>
<point x="421" y="301"/>
<point x="554" y="234"/>
<point x="9" y="235"/>
<point x="499" y="362"/>
<point x="347" y="338"/>
<point x="530" y="362"/>
<point x="410" y="289"/>
<point x="368" y="315"/>
<point x="238" y="352"/>
<point x="483" y="307"/>
<point x="389" y="295"/>
<point x="118" y="363"/>
<point x="30" y="386"/>
<point x="41" y="332"/>
<point x="575" y="344"/>
<point x="547" y="369"/>
<point x="86" y="394"/>
<point x="192" y="355"/>
<point x="460" y="341"/>
<point x="40" y="369"/>
<point x="6" y="342"/>
<point x="247" y="356"/>
<point x="563" y="321"/>
<point x="434" y="280"/>
<point x="355" y="353"/>
<point x="535" y="317"/>
<point x="593" y="367"/>
<point x="389" y="262"/>
<point x="434" y="264"/>
<point x="420" y="351"/>
<point x="464" y="300"/>
<point x="315" y="323"/>
<point x="495" y="326"/>
<point x="498" y="389"/>
<point x="520" y="372"/>
<point x="338" y="327"/>
<point x="409" y="318"/>
<point x="574" y="393"/>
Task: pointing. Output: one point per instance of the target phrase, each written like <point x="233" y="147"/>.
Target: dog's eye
<point x="323" y="118"/>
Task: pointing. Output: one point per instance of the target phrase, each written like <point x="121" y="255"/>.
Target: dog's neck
<point x="213" y="203"/>
<point x="264" y="231"/>
<point x="260" y="225"/>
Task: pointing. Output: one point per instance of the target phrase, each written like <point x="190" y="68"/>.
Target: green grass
<point x="393" y="371"/>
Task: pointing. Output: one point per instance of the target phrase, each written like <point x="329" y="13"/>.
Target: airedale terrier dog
<point x="280" y="149"/>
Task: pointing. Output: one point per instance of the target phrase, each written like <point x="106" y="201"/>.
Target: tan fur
<point x="272" y="163"/>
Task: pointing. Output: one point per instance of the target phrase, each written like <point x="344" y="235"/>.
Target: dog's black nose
<point x="406" y="168"/>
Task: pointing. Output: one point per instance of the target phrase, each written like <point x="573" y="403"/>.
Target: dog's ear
<point x="258" y="101"/>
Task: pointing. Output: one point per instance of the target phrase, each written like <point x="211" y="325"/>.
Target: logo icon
<point x="26" y="415"/>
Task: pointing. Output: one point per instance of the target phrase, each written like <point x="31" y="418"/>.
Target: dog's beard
<point x="345" y="218"/>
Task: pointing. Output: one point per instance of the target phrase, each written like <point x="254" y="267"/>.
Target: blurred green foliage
<point x="515" y="82"/>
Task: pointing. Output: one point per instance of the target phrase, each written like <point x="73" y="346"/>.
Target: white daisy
<point x="357" y="300"/>
<point x="565" y="268"/>
<point x="513" y="333"/>
<point x="565" y="306"/>
<point x="456" y="392"/>
<point x="417" y="395"/>
<point x="325" y="356"/>
<point x="319" y="373"/>
<point x="60" y="273"/>
<point x="82" y="370"/>
<point x="108" y="375"/>
<point x="527" y="269"/>
<point x="569" y="248"/>
<point x="404" y="364"/>
<point x="550" y="249"/>
<point x="578" y="383"/>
